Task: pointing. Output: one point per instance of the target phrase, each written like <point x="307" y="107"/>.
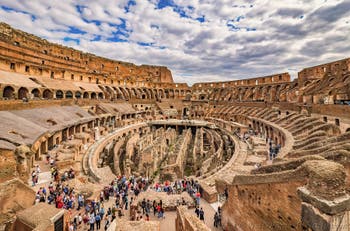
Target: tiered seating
<point x="311" y="135"/>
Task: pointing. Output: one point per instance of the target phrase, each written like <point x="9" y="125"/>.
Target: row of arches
<point x="126" y="93"/>
<point x="108" y="92"/>
<point x="269" y="93"/>
<point x="10" y="92"/>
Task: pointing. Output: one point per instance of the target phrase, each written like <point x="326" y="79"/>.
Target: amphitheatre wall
<point x="318" y="72"/>
<point x="264" y="206"/>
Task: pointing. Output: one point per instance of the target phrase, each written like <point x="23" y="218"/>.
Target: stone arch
<point x="59" y="94"/>
<point x="77" y="94"/>
<point x="161" y="93"/>
<point x="23" y="93"/>
<point x="240" y="93"/>
<point x="36" y="93"/>
<point x="8" y="92"/>
<point x="124" y="93"/>
<point x="86" y="95"/>
<point x="188" y="96"/>
<point x="275" y="93"/>
<point x="177" y="93"/>
<point x="171" y="93"/>
<point x="155" y="94"/>
<point x="129" y="93"/>
<point x="120" y="94"/>
<point x="144" y="94"/>
<point x="249" y="93"/>
<point x="268" y="94"/>
<point x="306" y="83"/>
<point x="100" y="95"/>
<point x="166" y="93"/>
<point x="110" y="92"/>
<point x="136" y="92"/>
<point x="346" y="79"/>
<point x="93" y="95"/>
<point x="69" y="95"/>
<point x="331" y="81"/>
<point x="150" y="93"/>
<point x="47" y="94"/>
<point x="139" y="92"/>
<point x="347" y="130"/>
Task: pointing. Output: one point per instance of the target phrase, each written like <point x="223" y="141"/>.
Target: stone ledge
<point x="335" y="206"/>
<point x="278" y="177"/>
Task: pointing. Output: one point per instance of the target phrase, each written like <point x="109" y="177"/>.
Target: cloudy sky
<point x="199" y="40"/>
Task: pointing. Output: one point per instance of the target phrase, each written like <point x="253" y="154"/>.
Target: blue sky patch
<point x="68" y="39"/>
<point x="74" y="30"/>
<point x="130" y="3"/>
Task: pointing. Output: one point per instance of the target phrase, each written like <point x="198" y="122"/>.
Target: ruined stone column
<point x="325" y="203"/>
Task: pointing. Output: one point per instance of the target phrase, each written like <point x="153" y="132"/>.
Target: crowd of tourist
<point x="189" y="185"/>
<point x="91" y="214"/>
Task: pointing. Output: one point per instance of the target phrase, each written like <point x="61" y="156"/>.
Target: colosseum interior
<point x="273" y="152"/>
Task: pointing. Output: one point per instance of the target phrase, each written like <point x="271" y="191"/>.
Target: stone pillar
<point x="23" y="155"/>
<point x="325" y="203"/>
<point x="97" y="133"/>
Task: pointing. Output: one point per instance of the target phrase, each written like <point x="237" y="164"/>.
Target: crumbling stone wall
<point x="186" y="221"/>
<point x="152" y="149"/>
<point x="45" y="58"/>
<point x="272" y="206"/>
<point x="14" y="196"/>
<point x="176" y="159"/>
<point x="8" y="165"/>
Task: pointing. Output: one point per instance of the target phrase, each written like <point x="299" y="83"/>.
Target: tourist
<point x="201" y="214"/>
<point x="148" y="206"/>
<point x="197" y="211"/>
<point x="143" y="205"/>
<point x="80" y="219"/>
<point x="216" y="219"/>
<point x="34" y="178"/>
<point x="160" y="211"/>
<point x="198" y="197"/>
<point x="47" y="158"/>
<point x="92" y="222"/>
<point x="113" y="214"/>
<point x="107" y="222"/>
<point x="98" y="221"/>
<point x="85" y="219"/>
<point x="102" y="211"/>
<point x="154" y="208"/>
<point x="52" y="161"/>
<point x="71" y="227"/>
<point x="38" y="170"/>
<point x="126" y="201"/>
<point x="75" y="222"/>
<point x="80" y="201"/>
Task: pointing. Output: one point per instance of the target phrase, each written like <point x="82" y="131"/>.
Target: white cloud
<point x="263" y="37"/>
